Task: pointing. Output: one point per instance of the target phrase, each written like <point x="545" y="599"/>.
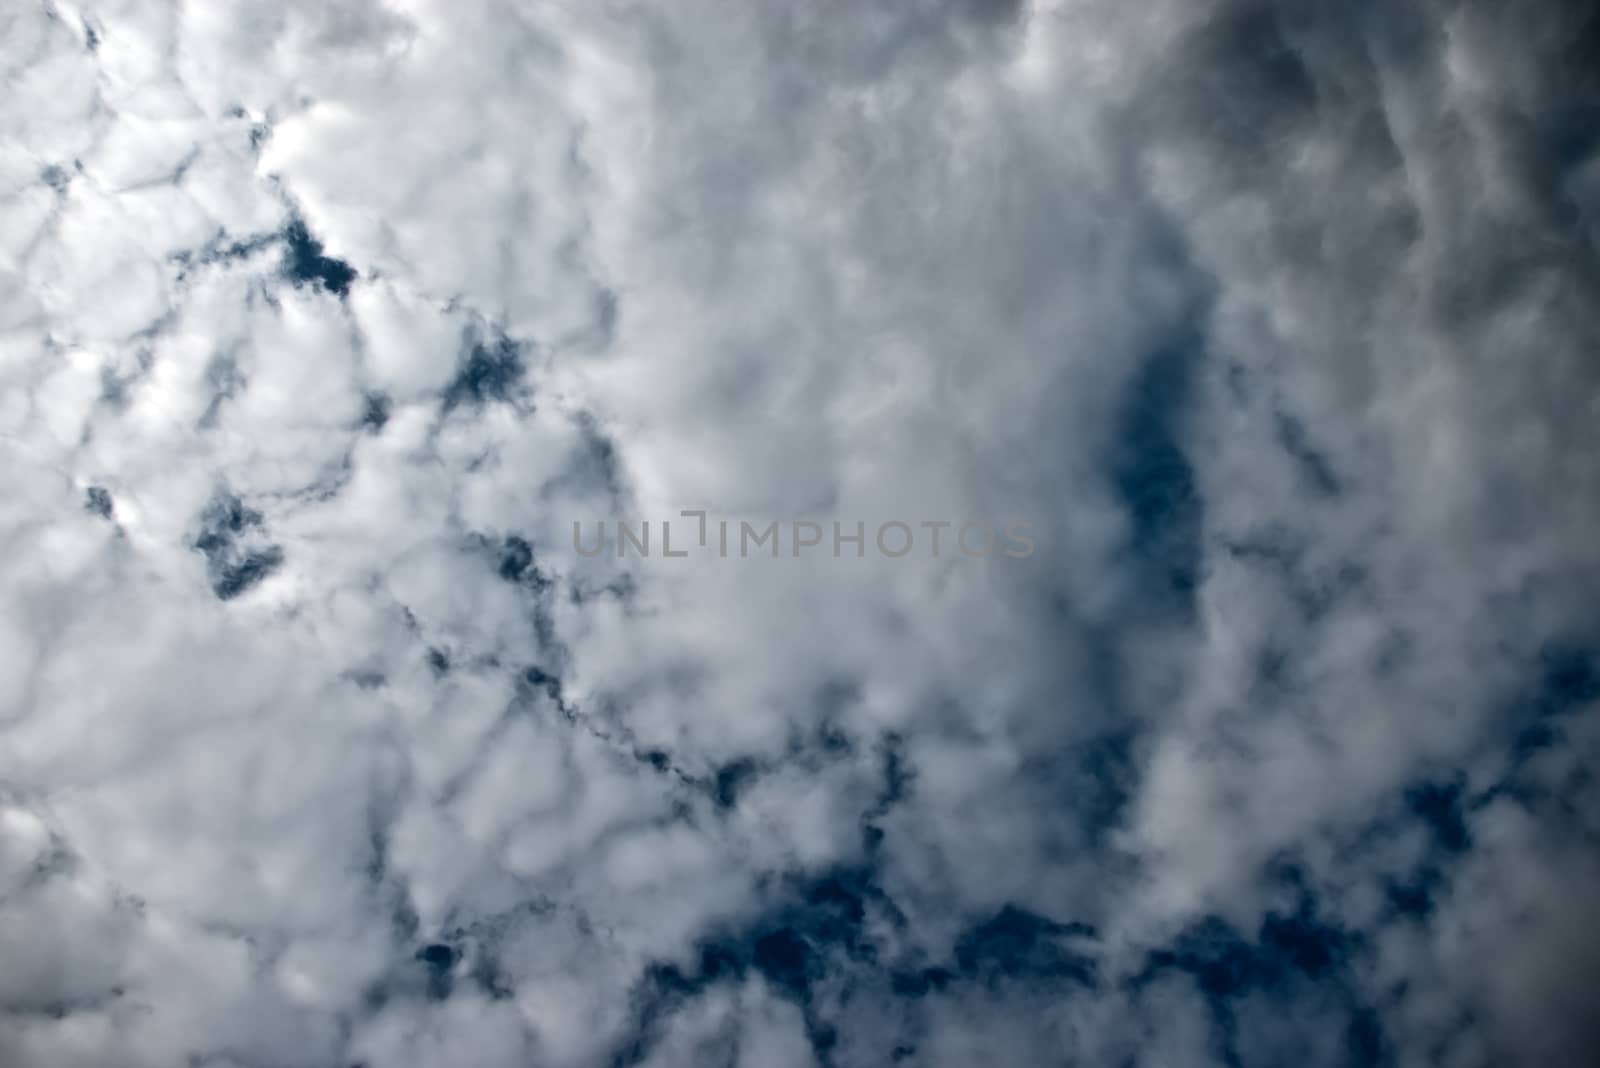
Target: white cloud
<point x="320" y="325"/>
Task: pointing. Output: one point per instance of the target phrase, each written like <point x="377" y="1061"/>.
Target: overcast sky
<point x="1275" y="325"/>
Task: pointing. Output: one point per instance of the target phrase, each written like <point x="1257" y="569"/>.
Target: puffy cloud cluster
<point x="321" y="325"/>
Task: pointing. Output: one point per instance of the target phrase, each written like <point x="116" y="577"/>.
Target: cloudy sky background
<point x="322" y="322"/>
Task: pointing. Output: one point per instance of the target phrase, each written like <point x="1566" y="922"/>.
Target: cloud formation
<point x="322" y="324"/>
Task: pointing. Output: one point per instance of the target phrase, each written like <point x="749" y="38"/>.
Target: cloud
<point x="325" y="744"/>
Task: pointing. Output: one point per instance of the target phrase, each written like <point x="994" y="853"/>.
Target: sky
<point x="327" y="325"/>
